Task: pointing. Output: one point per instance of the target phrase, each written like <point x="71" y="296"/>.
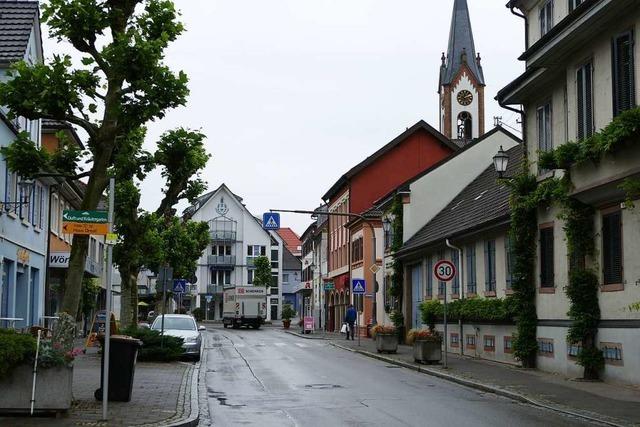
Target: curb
<point x="193" y="418"/>
<point x="305" y="336"/>
<point x="480" y="386"/>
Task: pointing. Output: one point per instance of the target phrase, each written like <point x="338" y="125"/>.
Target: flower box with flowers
<point x="54" y="376"/>
<point x="386" y="338"/>
<point x="427" y="345"/>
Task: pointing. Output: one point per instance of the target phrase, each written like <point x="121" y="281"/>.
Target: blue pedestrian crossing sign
<point x="271" y="221"/>
<point x="179" y="286"/>
<point x="359" y="286"/>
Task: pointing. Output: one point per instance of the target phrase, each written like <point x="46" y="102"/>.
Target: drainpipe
<point x="460" y="294"/>
<point x="511" y="7"/>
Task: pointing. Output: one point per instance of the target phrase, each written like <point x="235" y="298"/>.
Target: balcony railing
<point x="223" y="235"/>
<point x="215" y="289"/>
<point x="222" y="260"/>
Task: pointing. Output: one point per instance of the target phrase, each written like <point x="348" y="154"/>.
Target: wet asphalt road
<point x="270" y="378"/>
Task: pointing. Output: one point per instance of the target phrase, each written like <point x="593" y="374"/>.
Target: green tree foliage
<point x="262" y="275"/>
<point x="122" y="84"/>
<point x="469" y="310"/>
<point x="153" y="349"/>
<point x="154" y="239"/>
<point x="15" y="349"/>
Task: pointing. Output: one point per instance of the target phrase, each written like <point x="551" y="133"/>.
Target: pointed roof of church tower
<point x="461" y="47"/>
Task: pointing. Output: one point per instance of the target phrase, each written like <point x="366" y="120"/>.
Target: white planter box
<point x="427" y="351"/>
<point x="53" y="390"/>
<point x="387" y="343"/>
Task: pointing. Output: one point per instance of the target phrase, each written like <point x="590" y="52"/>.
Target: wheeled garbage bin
<point x="123" y="353"/>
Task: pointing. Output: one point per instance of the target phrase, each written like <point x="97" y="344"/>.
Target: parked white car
<point x="182" y="326"/>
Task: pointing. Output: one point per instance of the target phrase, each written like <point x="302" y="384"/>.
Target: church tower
<point x="461" y="85"/>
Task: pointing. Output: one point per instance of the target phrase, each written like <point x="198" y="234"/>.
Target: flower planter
<point x="286" y="323"/>
<point x="53" y="390"/>
<point x="427" y="351"/>
<point x="386" y="343"/>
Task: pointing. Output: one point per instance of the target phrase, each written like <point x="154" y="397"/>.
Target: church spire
<point x="461" y="48"/>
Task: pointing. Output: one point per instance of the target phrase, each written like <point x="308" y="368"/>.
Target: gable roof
<point x="291" y="240"/>
<point x="16" y="22"/>
<point x="485" y="201"/>
<point x="460" y="44"/>
<point x="202" y="200"/>
<point x="421" y="125"/>
<point x="290" y="261"/>
<point x="405" y="186"/>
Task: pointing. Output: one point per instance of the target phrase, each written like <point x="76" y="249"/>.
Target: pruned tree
<point x="121" y="85"/>
<point x="153" y="239"/>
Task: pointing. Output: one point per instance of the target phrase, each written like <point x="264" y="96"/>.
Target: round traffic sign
<point x="444" y="270"/>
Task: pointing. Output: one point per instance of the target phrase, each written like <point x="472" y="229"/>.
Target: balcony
<point x="215" y="289"/>
<point x="223" y="235"/>
<point x="221" y="260"/>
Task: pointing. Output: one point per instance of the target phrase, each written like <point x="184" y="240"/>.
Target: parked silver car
<point x="182" y="326"/>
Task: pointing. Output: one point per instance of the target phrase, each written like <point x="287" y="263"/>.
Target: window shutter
<point x="623" y="73"/>
<point x="487" y="272"/>
<point x="507" y="256"/>
<point x="581" y="97"/>
<point x="588" y="95"/>
<point x="612" y="248"/>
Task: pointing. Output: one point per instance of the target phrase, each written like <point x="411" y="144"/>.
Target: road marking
<point x="238" y="345"/>
<point x="280" y="344"/>
<point x="301" y="345"/>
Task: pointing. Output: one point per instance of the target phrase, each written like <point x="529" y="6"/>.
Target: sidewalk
<point x="164" y="394"/>
<point x="601" y="402"/>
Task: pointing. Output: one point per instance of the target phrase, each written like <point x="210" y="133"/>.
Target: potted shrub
<point x="287" y="313"/>
<point x="386" y="338"/>
<point x="427" y="345"/>
<point x="53" y="379"/>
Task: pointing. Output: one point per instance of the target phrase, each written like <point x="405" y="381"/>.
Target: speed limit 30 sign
<point x="444" y="270"/>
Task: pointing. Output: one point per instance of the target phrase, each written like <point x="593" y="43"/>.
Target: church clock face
<point x="465" y="97"/>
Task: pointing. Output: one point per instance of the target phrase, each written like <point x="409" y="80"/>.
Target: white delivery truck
<point x="244" y="306"/>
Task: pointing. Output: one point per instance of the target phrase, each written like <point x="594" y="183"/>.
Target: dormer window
<point x="546" y="17"/>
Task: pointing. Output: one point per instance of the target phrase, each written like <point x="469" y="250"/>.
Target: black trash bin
<point x="122" y="364"/>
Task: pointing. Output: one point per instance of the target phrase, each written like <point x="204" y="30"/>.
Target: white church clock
<point x="465" y="97"/>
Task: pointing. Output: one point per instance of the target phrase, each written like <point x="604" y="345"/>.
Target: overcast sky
<point x="293" y="93"/>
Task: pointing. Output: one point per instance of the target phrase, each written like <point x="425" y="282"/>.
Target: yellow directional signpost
<point x="85" y="222"/>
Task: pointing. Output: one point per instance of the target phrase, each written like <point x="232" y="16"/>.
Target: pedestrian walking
<point x="350" y="319"/>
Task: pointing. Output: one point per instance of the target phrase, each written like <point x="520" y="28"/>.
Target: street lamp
<point x="25" y="187"/>
<point x="386" y="227"/>
<point x="500" y="162"/>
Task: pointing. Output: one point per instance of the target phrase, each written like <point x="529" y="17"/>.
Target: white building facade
<point x="237" y="239"/>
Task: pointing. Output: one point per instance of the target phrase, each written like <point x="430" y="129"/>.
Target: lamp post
<point x="500" y="162"/>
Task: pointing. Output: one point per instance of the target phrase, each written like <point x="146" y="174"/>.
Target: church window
<point x="465" y="126"/>
<point x="546" y="17"/>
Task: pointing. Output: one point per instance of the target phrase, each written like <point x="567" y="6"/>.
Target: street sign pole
<point x="165" y="270"/>
<point x="445" y="326"/>
<point x="107" y="329"/>
<point x="445" y="271"/>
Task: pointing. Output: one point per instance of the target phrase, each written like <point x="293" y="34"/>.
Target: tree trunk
<point x="129" y="296"/>
<point x="95" y="187"/>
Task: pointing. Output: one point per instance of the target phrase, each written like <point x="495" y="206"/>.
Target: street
<point x="268" y="377"/>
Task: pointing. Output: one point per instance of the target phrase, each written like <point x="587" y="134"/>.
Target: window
<point x="221" y="277"/>
<point x="273" y="291"/>
<point x="543" y="119"/>
<point x="357" y="250"/>
<point x="490" y="267"/>
<point x="429" y="287"/>
<point x="388" y="238"/>
<point x="470" y="342"/>
<point x="612" y="248"/>
<point x="623" y="73"/>
<point x="55" y="218"/>
<point x="454" y="340"/>
<point x="584" y="89"/>
<point x="221" y="250"/>
<point x="546" y="17"/>
<point x="471" y="270"/>
<point x="465" y="126"/>
<point x="285" y="278"/>
<point x="573" y="350"/>
<point x="274" y="280"/>
<point x="274" y="258"/>
<point x="25" y="208"/>
<point x="508" y="345"/>
<point x="256" y="250"/>
<point x="489" y="343"/>
<point x="574" y="4"/>
<point x="546" y="258"/>
<point x="250" y="277"/>
<point x="545" y="347"/>
<point x="455" y="287"/>
<point x="612" y="353"/>
<point x="508" y="248"/>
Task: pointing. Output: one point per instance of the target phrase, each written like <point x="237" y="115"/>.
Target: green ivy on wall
<point x="398" y="269"/>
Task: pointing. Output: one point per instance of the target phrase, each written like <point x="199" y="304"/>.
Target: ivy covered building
<point x="582" y="132"/>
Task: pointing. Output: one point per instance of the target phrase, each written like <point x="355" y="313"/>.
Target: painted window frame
<point x="545" y="17"/>
<point x="585" y="100"/>
<point x="606" y="244"/>
<point x="472" y="282"/>
<point x="618" y="105"/>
